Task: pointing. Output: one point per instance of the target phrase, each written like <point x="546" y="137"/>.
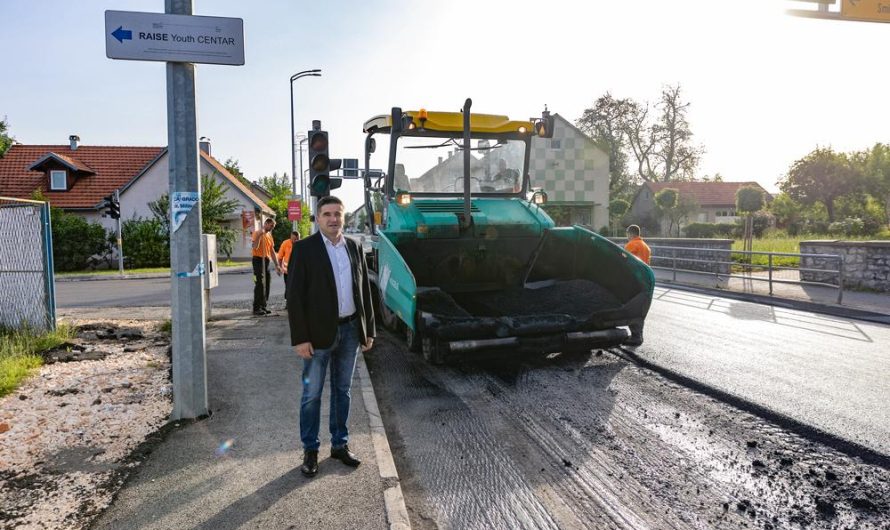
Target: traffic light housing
<point x="320" y="165"/>
<point x="112" y="206"/>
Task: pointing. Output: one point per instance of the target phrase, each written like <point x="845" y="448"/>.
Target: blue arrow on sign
<point x="122" y="34"/>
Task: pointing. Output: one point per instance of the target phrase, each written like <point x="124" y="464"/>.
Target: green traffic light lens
<point x="320" y="184"/>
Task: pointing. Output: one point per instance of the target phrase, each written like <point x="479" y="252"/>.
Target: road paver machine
<point x="465" y="259"/>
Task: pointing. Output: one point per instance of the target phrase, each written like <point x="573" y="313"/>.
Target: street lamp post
<point x="302" y="183"/>
<point x="305" y="73"/>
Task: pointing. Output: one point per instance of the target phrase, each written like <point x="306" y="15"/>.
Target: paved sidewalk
<point x="817" y="298"/>
<point x="192" y="481"/>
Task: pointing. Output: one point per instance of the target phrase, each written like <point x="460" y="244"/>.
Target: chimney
<point x="204" y="144"/>
<point x="440" y="160"/>
<point x="74" y="140"/>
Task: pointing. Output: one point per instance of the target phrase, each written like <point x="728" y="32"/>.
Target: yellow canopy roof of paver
<point x="454" y="122"/>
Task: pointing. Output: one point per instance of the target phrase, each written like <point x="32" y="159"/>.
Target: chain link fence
<point x="27" y="297"/>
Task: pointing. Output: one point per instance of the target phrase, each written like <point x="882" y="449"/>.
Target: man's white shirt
<point x="342" y="269"/>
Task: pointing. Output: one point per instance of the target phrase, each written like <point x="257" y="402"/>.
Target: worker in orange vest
<point x="284" y="253"/>
<point x="636" y="246"/>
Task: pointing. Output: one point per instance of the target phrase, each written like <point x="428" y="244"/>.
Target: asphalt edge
<point x="786" y="303"/>
<point x="394" y="502"/>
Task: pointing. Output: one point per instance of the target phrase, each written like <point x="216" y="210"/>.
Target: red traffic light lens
<point x="318" y="142"/>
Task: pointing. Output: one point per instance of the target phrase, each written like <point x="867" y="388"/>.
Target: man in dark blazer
<point x="331" y="317"/>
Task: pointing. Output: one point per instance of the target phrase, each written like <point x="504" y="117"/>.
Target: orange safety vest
<point x="640" y="249"/>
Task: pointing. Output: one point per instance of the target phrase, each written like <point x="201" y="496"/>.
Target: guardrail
<point x="723" y="267"/>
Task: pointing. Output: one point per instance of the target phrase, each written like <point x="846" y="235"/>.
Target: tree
<point x="232" y="166"/>
<point x="279" y="188"/>
<point x="674" y="207"/>
<point x="874" y="164"/>
<point x="663" y="147"/>
<point x="666" y="201"/>
<point x="605" y="123"/>
<point x="822" y="176"/>
<point x="5" y="139"/>
<point x="748" y="199"/>
<point x="787" y="211"/>
<point x="618" y="208"/>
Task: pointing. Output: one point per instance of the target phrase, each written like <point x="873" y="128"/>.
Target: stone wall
<point x="692" y="249"/>
<point x="866" y="263"/>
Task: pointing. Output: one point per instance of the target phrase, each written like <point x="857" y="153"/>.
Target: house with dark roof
<point x="716" y="200"/>
<point x="76" y="178"/>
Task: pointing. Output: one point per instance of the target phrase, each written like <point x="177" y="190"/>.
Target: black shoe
<point x="310" y="463"/>
<point x="266" y="311"/>
<point x="344" y="455"/>
<point x="259" y="313"/>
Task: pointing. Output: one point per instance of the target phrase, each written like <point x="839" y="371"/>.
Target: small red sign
<point x="294" y="210"/>
<point x="246" y="220"/>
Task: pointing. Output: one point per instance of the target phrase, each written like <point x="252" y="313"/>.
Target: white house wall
<point x="572" y="170"/>
<point x="155" y="182"/>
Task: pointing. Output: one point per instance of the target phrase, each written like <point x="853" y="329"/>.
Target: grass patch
<point x="166" y="327"/>
<point x="772" y="244"/>
<point x="20" y="353"/>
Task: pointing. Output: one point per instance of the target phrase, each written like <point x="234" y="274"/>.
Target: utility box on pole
<point x="211" y="272"/>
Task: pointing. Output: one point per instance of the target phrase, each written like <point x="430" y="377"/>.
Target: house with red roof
<point x="76" y="178"/>
<point x="716" y="200"/>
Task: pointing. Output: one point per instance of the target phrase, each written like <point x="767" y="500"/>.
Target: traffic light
<point x="320" y="164"/>
<point x="112" y="206"/>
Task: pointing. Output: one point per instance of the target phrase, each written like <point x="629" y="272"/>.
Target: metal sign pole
<point x="186" y="253"/>
<point x="120" y="236"/>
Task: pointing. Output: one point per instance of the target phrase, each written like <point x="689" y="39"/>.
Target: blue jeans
<point x="341" y="356"/>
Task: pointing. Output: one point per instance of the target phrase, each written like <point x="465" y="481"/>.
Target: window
<point x="58" y="180"/>
<point x="555" y="143"/>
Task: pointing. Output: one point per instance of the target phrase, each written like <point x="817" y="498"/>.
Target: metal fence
<point x="27" y="290"/>
<point x="770" y="267"/>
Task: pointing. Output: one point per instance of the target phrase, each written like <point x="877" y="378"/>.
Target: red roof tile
<point x="114" y="166"/>
<point x="706" y="193"/>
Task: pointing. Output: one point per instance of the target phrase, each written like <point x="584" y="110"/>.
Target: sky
<point x="765" y="88"/>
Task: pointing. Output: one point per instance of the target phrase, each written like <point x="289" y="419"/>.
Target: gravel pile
<point x="66" y="433"/>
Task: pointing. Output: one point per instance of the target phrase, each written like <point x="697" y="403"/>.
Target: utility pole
<point x="186" y="252"/>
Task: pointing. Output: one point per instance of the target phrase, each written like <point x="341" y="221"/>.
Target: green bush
<point x="851" y="226"/>
<point x="145" y="243"/>
<point x="708" y="230"/>
<point x="75" y="241"/>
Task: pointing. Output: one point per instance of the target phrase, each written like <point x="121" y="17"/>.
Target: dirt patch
<point x="74" y="426"/>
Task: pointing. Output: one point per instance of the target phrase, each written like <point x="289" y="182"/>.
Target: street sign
<point x="294" y="210"/>
<point x="350" y="167"/>
<point x="869" y="10"/>
<point x="174" y="38"/>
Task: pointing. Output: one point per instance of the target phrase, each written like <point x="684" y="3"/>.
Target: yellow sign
<point x="872" y="10"/>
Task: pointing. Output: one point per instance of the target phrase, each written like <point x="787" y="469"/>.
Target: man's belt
<point x="346" y="320"/>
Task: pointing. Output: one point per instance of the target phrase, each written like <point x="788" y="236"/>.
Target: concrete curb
<point x="146" y="276"/>
<point x="396" y="512"/>
<point x="787" y="303"/>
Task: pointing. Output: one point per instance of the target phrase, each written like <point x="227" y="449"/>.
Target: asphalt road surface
<point x="600" y="442"/>
<point x="151" y="292"/>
